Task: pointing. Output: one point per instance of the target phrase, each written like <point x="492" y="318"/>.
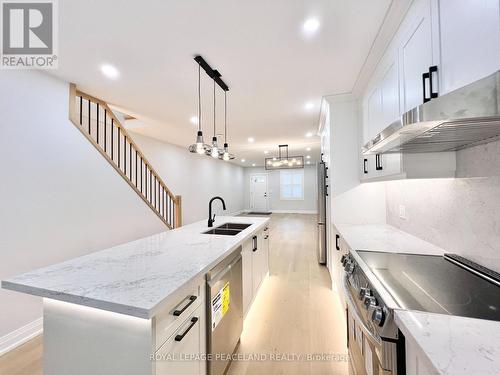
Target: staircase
<point x="101" y="127"/>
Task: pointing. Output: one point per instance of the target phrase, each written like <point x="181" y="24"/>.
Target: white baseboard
<point x="21" y="335"/>
<point x="294" y="211"/>
<point x="246" y="210"/>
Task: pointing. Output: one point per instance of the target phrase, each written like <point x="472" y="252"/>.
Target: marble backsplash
<point x="460" y="215"/>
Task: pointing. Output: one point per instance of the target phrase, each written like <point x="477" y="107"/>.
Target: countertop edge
<point x="135" y="311"/>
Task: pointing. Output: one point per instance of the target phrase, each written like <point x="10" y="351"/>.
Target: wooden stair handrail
<point x="176" y="199"/>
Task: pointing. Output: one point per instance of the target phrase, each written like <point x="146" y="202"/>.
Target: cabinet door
<point x="470" y="41"/>
<point x="188" y="339"/>
<point x="390" y="93"/>
<point x="246" y="255"/>
<point x="256" y="265"/>
<point x="375" y="112"/>
<point x="416" y="53"/>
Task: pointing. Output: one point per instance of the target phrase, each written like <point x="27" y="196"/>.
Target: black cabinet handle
<point x="432" y="70"/>
<point x="254" y="238"/>
<point x="365" y="166"/>
<point x="265" y="229"/>
<point x="326" y="190"/>
<point x="337" y="238"/>
<point x="266" y="237"/>
<point x="378" y="162"/>
<point x="425" y="77"/>
<point x="191" y="300"/>
<point x="194" y="319"/>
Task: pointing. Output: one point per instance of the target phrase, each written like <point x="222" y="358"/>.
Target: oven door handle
<point x="352" y="308"/>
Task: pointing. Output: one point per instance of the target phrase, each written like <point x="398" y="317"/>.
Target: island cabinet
<point x="82" y="340"/>
<point x="255" y="259"/>
<point x="416" y="362"/>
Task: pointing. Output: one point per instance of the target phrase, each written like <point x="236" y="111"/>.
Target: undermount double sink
<point x="228" y="229"/>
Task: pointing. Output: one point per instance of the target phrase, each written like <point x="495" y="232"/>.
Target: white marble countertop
<point x="137" y="277"/>
<point x="385" y="238"/>
<point x="454" y="345"/>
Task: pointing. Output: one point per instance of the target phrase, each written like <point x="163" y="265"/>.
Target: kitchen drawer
<point x="182" y="304"/>
<point x="182" y="352"/>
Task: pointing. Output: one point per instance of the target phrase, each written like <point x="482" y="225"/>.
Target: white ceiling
<point x="271" y="67"/>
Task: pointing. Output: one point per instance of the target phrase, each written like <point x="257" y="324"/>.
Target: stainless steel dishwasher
<point x="224" y="312"/>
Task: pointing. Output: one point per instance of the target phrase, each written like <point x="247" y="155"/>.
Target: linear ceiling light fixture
<point x="284" y="161"/>
<point x="200" y="147"/>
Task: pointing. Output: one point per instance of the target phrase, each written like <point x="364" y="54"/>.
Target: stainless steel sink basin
<point x="238" y="226"/>
<point x="224" y="232"/>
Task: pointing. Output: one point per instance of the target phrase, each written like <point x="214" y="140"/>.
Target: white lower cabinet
<point x="246" y="255"/>
<point x="255" y="263"/>
<point x="416" y="363"/>
<point x="181" y="353"/>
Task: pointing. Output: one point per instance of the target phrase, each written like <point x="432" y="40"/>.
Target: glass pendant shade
<point x="215" y="149"/>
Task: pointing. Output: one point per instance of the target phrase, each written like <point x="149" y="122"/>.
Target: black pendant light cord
<point x="199" y="97"/>
<point x="214" y="110"/>
<point x="225" y="117"/>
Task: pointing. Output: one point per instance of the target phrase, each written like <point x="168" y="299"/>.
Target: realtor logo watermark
<point x="29" y="34"/>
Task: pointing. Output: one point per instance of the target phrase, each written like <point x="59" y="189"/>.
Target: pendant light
<point x="199" y="147"/>
<point x="214" y="152"/>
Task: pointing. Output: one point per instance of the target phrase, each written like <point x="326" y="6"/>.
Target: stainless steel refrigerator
<point x="322" y="193"/>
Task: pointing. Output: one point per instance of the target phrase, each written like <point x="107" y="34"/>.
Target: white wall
<point x="196" y="177"/>
<point x="460" y="215"/>
<point x="59" y="198"/>
<point x="307" y="205"/>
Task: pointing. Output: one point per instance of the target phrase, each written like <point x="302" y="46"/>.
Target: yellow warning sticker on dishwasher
<point x="220" y="305"/>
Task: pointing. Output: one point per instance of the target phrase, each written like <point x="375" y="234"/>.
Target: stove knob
<point x="378" y="316"/>
<point x="349" y="268"/>
<point x="364" y="292"/>
<point x="369" y="301"/>
<point x="343" y="259"/>
<point x="346" y="263"/>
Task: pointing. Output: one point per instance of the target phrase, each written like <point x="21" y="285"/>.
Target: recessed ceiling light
<point x="110" y="71"/>
<point x="251" y="139"/>
<point x="309" y="105"/>
<point x="253" y="165"/>
<point x="308" y="156"/>
<point x="243" y="160"/>
<point x="194" y="120"/>
<point x="310" y="26"/>
<point x="308" y="162"/>
<point x="309" y="134"/>
<point x="308" y="149"/>
<point x="266" y="152"/>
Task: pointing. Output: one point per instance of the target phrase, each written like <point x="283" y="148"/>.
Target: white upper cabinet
<point x="470" y="41"/>
<point x="374" y="115"/>
<point x="417" y="41"/>
<point x="390" y="92"/>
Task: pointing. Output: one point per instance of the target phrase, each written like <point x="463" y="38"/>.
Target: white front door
<point x="258" y="193"/>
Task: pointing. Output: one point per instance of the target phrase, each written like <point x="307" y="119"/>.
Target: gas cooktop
<point x="446" y="284"/>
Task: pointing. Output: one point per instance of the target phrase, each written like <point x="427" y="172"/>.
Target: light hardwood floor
<point x="295" y="312"/>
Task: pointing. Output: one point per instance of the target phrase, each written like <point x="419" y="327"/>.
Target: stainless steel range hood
<point x="462" y="118"/>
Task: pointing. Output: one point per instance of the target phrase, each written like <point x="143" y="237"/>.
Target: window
<point x="292" y="184"/>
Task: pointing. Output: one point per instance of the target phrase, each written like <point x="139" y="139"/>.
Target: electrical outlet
<point x="402" y="212"/>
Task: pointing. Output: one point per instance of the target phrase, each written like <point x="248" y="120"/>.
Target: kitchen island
<point x="116" y="310"/>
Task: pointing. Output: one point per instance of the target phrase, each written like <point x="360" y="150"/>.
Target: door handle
<point x="337" y="238"/>
<point x="433" y="69"/>
<point x="425" y="77"/>
<point x="194" y="319"/>
<point x="378" y="162"/>
<point x="191" y="301"/>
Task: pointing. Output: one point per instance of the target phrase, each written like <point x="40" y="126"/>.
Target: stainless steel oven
<point x="376" y="346"/>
